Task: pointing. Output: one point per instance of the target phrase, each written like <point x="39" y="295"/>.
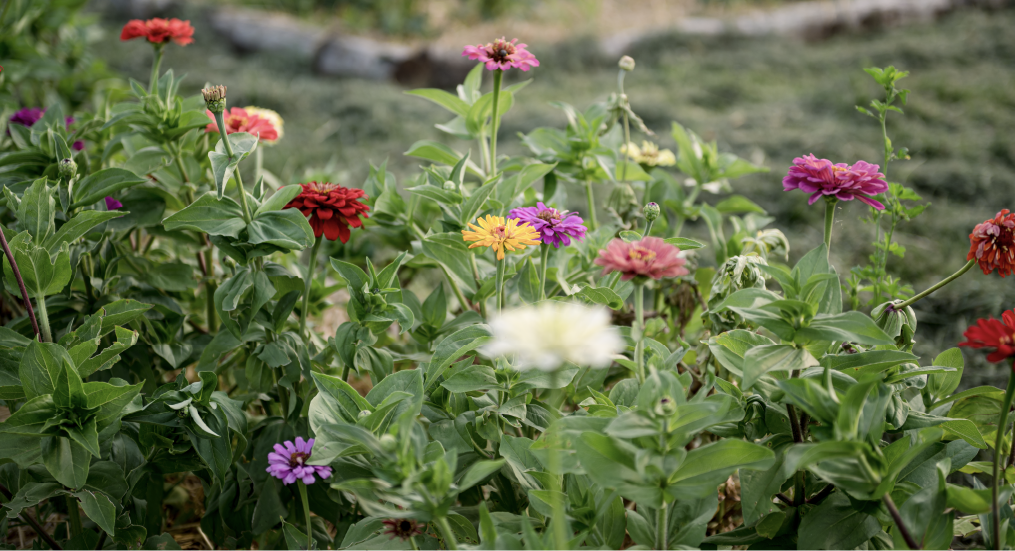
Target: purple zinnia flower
<point x="820" y="177"/>
<point x="554" y="226"/>
<point x="113" y="204"/>
<point x="288" y="462"/>
<point x="31" y="115"/>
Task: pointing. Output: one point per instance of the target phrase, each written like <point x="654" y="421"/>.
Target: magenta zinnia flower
<point x="556" y="227"/>
<point x="501" y="54"/>
<point x="113" y="204"/>
<point x="288" y="463"/>
<point x="31" y="115"/>
<point x="650" y="257"/>
<point x="820" y="177"/>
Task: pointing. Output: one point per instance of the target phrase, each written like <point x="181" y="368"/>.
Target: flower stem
<point x="498" y="76"/>
<point x="939" y="284"/>
<point x="639" y="330"/>
<point x="75" y="516"/>
<point x="500" y="284"/>
<point x="662" y="528"/>
<point x="544" y="259"/>
<point x="220" y="119"/>
<point x="648" y="228"/>
<point x="310" y="280"/>
<point x="153" y="82"/>
<point x="306" y="513"/>
<point x="258" y="165"/>
<point x="40" y="300"/>
<point x="21" y="284"/>
<point x="449" y="536"/>
<point x="1002" y="428"/>
<point x="903" y="531"/>
<point x="829" y="218"/>
<point x="591" y="203"/>
<point x="559" y="512"/>
<point x="458" y="291"/>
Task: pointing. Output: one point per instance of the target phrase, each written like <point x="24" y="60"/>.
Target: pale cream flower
<point x="649" y="154"/>
<point x="271" y="116"/>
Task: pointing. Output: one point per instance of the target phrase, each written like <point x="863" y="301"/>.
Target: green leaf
<point x="479" y="471"/>
<point x="211" y="215"/>
<point x="601" y="295"/>
<point x="684" y="243"/>
<point x="66" y="460"/>
<point x="454" y="347"/>
<point x="730" y="347"/>
<point x="451" y="252"/>
<point x="37" y="209"/>
<point x="763" y="359"/>
<point x="287" y="229"/>
<point x="279" y="199"/>
<point x="43" y="274"/>
<point x="738" y="203"/>
<point x="446" y="100"/>
<point x="706" y="467"/>
<point x="78" y="226"/>
<point x="98" y="185"/>
<point x="872" y="361"/>
<point x="222" y="165"/>
<point x="41" y="367"/>
<point x="99" y="508"/>
<point x="835" y="524"/>
<point x="943" y="384"/>
<point x="294" y="539"/>
<point x="440" y="153"/>
<point x="121" y="313"/>
<point x="847" y="326"/>
<point x="125" y="338"/>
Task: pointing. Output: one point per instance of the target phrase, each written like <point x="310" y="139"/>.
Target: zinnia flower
<point x="649" y="154"/>
<point x="402" y="528"/>
<point x="288" y="462"/>
<point x="501" y="54"/>
<point x="650" y="257"/>
<point x="992" y="244"/>
<point x="500" y="234"/>
<point x="991" y="333"/>
<point x="31" y="115"/>
<point x="332" y="209"/>
<point x="238" y="119"/>
<point x="272" y="117"/>
<point x="159" y="31"/>
<point x="546" y="335"/>
<point x="820" y="177"/>
<point x="556" y="227"/>
<point x="113" y="204"/>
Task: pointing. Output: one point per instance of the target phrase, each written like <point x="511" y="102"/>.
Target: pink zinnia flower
<point x="288" y="463"/>
<point x="238" y="119"/>
<point x="501" y="54"/>
<point x="159" y="31"/>
<point x="650" y="257"/>
<point x="820" y="177"/>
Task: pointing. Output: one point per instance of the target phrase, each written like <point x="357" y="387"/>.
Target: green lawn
<point x="764" y="99"/>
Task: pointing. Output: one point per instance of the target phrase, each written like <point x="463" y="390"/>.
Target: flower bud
<point x="666" y="406"/>
<point x="389" y="443"/>
<point x="651" y="211"/>
<point x="899" y="324"/>
<point x="450" y="186"/>
<point x="215" y="98"/>
<point x="626" y="63"/>
<point x="67" y="168"/>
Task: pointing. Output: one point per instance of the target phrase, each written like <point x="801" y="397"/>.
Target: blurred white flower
<point x="547" y="335"/>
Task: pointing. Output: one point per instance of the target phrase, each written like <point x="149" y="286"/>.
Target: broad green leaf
<point x="79" y="225"/>
<point x="99" y="508"/>
<point x="478" y="472"/>
<point x="454" y="347"/>
<point x="66" y="460"/>
<point x="125" y="338"/>
<point x="452" y="253"/>
<point x="684" y="243"/>
<point x="222" y="165"/>
<point x="847" y="326"/>
<point x="287" y="229"/>
<point x="708" y="466"/>
<point x="601" y="295"/>
<point x="763" y="359"/>
<point x="835" y="524"/>
<point x="279" y="199"/>
<point x="41" y="367"/>
<point x="446" y="100"/>
<point x="103" y="183"/>
<point x="209" y="214"/>
<point x="35" y="213"/>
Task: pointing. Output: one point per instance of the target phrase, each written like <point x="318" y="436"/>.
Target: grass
<point x="768" y="99"/>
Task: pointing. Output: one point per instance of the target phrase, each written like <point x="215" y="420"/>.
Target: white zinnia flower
<point x="547" y="335"/>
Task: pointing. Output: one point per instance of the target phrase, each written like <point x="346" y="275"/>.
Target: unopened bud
<point x="215" y="98"/>
<point x="389" y="443"/>
<point x="450" y="186"/>
<point x="626" y="63"/>
<point x="666" y="406"/>
<point x="651" y="211"/>
<point x="67" y="168"/>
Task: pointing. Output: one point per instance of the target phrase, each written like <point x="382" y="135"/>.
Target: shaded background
<point x="765" y="98"/>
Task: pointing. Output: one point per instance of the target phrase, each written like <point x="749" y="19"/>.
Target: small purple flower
<point x="820" y="177"/>
<point x="554" y="226"/>
<point x="113" y="204"/>
<point x="31" y="115"/>
<point x="288" y="462"/>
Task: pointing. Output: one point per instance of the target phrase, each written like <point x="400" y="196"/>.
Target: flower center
<point x="550" y="215"/>
<point x="502" y="50"/>
<point x="499" y="232"/>
<point x="1004" y="240"/>
<point x="297" y="459"/>
<point x="642" y="254"/>
<point x="405" y="526"/>
<point x="323" y="187"/>
<point x="1007" y="339"/>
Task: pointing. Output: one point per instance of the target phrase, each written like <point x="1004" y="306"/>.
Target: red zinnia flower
<point x="332" y="209"/>
<point x="240" y="120"/>
<point x="650" y="257"/>
<point x="159" y="31"/>
<point x="992" y="244"/>
<point x="991" y="333"/>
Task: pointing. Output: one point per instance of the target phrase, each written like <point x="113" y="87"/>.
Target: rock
<point x="349" y="56"/>
<point x="251" y="31"/>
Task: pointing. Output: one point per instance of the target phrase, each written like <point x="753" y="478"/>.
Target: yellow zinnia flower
<point x="500" y="234"/>
<point x="649" y="154"/>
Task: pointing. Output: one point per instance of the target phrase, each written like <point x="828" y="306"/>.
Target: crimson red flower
<point x="992" y="333"/>
<point x="238" y="119"/>
<point x="332" y="209"/>
<point x="159" y="31"/>
<point x="992" y="244"/>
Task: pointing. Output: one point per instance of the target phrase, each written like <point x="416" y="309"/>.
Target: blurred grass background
<point x="765" y="99"/>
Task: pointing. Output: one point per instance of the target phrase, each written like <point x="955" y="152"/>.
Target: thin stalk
<point x="310" y="280"/>
<point x="830" y="387"/>
<point x="903" y="531"/>
<point x="560" y="539"/>
<point x="21" y="282"/>
<point x="458" y="291"/>
<point x="47" y="335"/>
<point x="412" y="541"/>
<point x="221" y="121"/>
<point x="498" y="75"/>
<point x="306" y="513"/>
<point x="449" y="536"/>
<point x="544" y="258"/>
<point x="662" y="528"/>
<point x="475" y="275"/>
<point x="178" y="159"/>
<point x="500" y="284"/>
<point x="258" y="165"/>
<point x="1002" y="428"/>
<point x="75" y="516"/>
<point x="591" y="203"/>
<point x="829" y="218"/>
<point x="153" y="82"/>
<point x="639" y="331"/>
<point x="648" y="228"/>
<point x="938" y="285"/>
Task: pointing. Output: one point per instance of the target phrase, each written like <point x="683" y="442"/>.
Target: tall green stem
<point x="310" y="281"/>
<point x="560" y="529"/>
<point x="1002" y="428"/>
<point x="648" y="228"/>
<point x="662" y="527"/>
<point x="498" y="75"/>
<point x="449" y="536"/>
<point x="829" y="218"/>
<point x="221" y="120"/>
<point x="939" y="284"/>
<point x="500" y="284"/>
<point x="258" y="165"/>
<point x="591" y="204"/>
<point x="306" y="513"/>
<point x="639" y="330"/>
<point x="544" y="259"/>
<point x="40" y="301"/>
<point x="17" y="272"/>
<point x="75" y="516"/>
<point x="153" y="82"/>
